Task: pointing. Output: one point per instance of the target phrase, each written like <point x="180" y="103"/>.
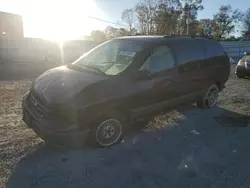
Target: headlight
<point x="24" y="97"/>
<point x="241" y="63"/>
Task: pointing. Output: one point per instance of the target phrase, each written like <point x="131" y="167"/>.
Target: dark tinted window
<point x="188" y="50"/>
<point x="212" y="48"/>
<point x="161" y="59"/>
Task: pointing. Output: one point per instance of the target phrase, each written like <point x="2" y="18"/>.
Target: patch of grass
<point x="16" y="140"/>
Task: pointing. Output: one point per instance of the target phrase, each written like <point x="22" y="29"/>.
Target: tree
<point x="166" y="16"/>
<point x="231" y="38"/>
<point x="97" y="35"/>
<point x="111" y="32"/>
<point x="145" y="12"/>
<point x="141" y="12"/>
<point x="85" y="37"/>
<point x="246" y="25"/>
<point x="128" y="17"/>
<point x="133" y="31"/>
<point x="122" y="32"/>
<point x="189" y="15"/>
<point x="224" y="21"/>
<point x="205" y="27"/>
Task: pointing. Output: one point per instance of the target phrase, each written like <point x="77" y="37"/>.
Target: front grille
<point x="44" y="114"/>
<point x="39" y="110"/>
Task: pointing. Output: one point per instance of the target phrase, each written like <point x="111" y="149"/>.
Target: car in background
<point x="243" y="67"/>
<point x="96" y="98"/>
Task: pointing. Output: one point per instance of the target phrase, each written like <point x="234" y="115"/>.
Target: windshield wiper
<point x="94" y="68"/>
<point x="74" y="66"/>
<point x="84" y="67"/>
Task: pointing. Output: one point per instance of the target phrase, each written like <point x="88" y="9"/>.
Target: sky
<point x="69" y="19"/>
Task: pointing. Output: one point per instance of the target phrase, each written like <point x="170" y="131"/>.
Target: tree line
<point x="178" y="17"/>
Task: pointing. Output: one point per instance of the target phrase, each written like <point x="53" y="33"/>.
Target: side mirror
<point x="144" y="74"/>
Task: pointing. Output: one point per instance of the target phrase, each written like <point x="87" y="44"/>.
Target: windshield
<point x="111" y="57"/>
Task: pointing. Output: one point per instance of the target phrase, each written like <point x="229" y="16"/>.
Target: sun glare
<point x="60" y="20"/>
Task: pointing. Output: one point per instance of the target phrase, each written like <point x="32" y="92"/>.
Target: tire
<point x="240" y="75"/>
<point x="209" y="99"/>
<point x="107" y="130"/>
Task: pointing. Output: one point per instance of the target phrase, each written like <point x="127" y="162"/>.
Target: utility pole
<point x="188" y="20"/>
<point x="189" y="8"/>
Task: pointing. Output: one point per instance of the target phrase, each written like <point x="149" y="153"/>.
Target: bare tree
<point x="246" y="24"/>
<point x="142" y="14"/>
<point x="225" y="21"/>
<point x="128" y="17"/>
<point x="145" y="15"/>
<point x="111" y="32"/>
<point x="166" y="16"/>
<point x="205" y="27"/>
<point x="122" y="32"/>
<point x="97" y="35"/>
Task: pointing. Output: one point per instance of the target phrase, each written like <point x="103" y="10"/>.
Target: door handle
<point x="164" y="81"/>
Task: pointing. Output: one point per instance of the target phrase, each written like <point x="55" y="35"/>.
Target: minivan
<point x="95" y="99"/>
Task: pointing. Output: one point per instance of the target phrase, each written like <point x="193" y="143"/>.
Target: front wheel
<point x="107" y="131"/>
<point x="240" y="75"/>
<point x="209" y="99"/>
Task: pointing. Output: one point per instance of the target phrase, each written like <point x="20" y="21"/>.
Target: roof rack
<point x="191" y="36"/>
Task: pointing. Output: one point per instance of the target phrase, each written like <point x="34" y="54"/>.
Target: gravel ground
<point x="186" y="147"/>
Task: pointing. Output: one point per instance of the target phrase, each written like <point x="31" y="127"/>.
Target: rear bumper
<point x="74" y="137"/>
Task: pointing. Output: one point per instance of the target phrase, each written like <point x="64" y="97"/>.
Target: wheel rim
<point x="108" y="132"/>
<point x="211" y="97"/>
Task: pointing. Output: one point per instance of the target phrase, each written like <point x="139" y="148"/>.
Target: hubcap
<point x="211" y="98"/>
<point x="108" y="132"/>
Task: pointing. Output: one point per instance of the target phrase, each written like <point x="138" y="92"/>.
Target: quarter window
<point x="188" y="51"/>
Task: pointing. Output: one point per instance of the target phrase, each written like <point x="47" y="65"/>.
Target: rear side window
<point x="187" y="51"/>
<point x="212" y="48"/>
<point x="161" y="59"/>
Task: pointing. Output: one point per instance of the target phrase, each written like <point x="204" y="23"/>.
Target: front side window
<point x="161" y="59"/>
<point x="110" y="58"/>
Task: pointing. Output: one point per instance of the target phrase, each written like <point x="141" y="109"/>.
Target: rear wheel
<point x="107" y="131"/>
<point x="209" y="99"/>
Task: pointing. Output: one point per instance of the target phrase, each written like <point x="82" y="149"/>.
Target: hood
<point x="62" y="84"/>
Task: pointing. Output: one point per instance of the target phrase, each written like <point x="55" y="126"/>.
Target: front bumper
<point x="72" y="137"/>
<point x="242" y="70"/>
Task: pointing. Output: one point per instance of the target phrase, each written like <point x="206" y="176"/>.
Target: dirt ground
<point x="186" y="147"/>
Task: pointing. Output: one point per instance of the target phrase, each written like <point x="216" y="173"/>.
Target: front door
<point x="160" y="87"/>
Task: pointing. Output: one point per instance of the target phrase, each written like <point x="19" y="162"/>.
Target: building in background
<point x="11" y="26"/>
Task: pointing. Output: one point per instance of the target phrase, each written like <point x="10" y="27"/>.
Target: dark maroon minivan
<point x="95" y="98"/>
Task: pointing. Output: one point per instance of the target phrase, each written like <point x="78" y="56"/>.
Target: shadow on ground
<point x="203" y="149"/>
